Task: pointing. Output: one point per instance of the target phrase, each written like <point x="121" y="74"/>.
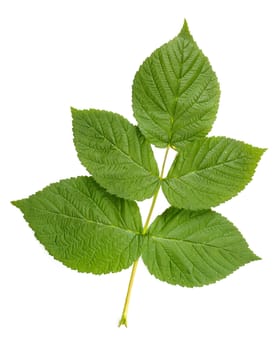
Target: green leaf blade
<point x="115" y="153"/>
<point x="193" y="249"/>
<point x="175" y="93"/>
<point x="83" y="226"/>
<point x="210" y="171"/>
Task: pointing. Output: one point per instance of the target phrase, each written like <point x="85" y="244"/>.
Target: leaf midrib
<point x="179" y="79"/>
<point x="85" y="220"/>
<point x="183" y="241"/>
<point x="121" y="151"/>
<point x="196" y="171"/>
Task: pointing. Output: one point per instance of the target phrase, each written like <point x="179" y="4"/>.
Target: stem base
<point x="123" y="321"/>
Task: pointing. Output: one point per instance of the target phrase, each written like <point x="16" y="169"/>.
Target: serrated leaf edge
<point x="256" y="258"/>
<point x="138" y="234"/>
<point x="260" y="152"/>
<point x="157" y="177"/>
<point x="183" y="34"/>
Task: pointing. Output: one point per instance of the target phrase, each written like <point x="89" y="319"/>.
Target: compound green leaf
<point x="115" y="153"/>
<point x="210" y="171"/>
<point x="175" y="93"/>
<point x="83" y="226"/>
<point x="194" y="248"/>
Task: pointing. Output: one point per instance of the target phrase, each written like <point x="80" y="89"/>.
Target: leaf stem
<point x="150" y="212"/>
<point x="123" y="320"/>
<point x="164" y="163"/>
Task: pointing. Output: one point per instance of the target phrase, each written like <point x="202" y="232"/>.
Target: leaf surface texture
<point x="210" y="171"/>
<point x="115" y="153"/>
<point x="175" y="93"/>
<point x="83" y="226"/>
<point x="194" y="248"/>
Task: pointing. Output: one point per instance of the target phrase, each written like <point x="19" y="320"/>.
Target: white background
<point x="57" y="54"/>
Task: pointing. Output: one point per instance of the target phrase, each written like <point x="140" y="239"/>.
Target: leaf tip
<point x="73" y="110"/>
<point x="251" y="256"/>
<point x="259" y="152"/>
<point x="15" y="203"/>
<point x="19" y="204"/>
<point x="256" y="257"/>
<point x="185" y="32"/>
<point x="263" y="150"/>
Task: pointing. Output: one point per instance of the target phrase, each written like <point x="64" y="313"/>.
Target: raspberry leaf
<point x="115" y="153"/>
<point x="194" y="248"/>
<point x="83" y="226"/>
<point x="175" y="93"/>
<point x="210" y="171"/>
<point x="92" y="224"/>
